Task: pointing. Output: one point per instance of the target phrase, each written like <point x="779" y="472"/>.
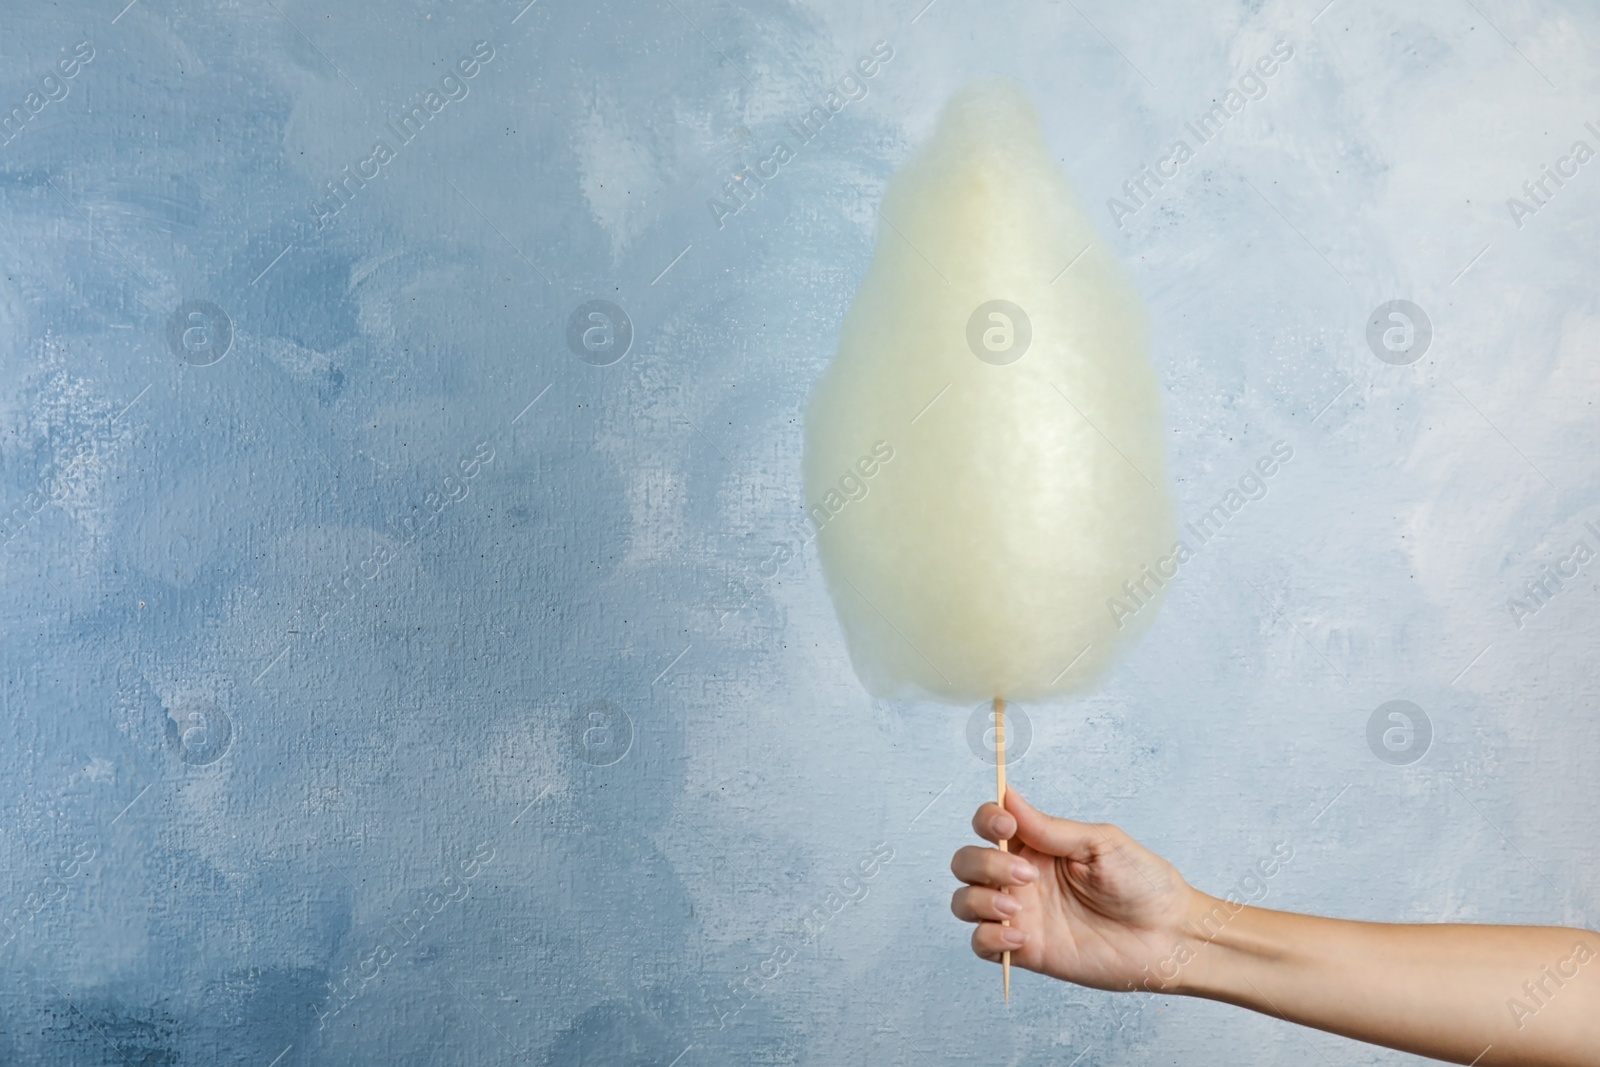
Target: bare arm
<point x="1089" y="905"/>
<point x="1484" y="994"/>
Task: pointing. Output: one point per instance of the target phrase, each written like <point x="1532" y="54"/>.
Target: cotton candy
<point x="989" y="488"/>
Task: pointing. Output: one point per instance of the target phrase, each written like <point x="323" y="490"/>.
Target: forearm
<point x="1529" y="995"/>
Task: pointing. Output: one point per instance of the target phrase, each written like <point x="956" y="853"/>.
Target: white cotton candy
<point x="977" y="519"/>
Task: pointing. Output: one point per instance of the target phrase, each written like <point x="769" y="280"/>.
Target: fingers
<point x="994" y="823"/>
<point x="991" y="867"/>
<point x="1046" y="833"/>
<point x="1022" y="821"/>
<point x="976" y="903"/>
<point x="990" y="940"/>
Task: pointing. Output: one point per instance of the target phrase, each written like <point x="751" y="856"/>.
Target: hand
<point x="1087" y="903"/>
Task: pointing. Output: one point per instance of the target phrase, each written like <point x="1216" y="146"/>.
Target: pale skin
<point x="1087" y="904"/>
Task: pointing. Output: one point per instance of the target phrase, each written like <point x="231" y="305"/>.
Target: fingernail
<point x="1023" y="871"/>
<point x="1010" y="935"/>
<point x="1006" y="905"/>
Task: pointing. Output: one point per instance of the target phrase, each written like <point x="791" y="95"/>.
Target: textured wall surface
<point x="395" y="672"/>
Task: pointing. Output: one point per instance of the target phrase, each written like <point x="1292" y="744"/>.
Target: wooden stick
<point x="1000" y="783"/>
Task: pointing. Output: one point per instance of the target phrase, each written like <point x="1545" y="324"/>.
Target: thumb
<point x="1046" y="833"/>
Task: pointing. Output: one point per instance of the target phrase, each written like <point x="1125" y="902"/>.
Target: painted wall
<point x="401" y="666"/>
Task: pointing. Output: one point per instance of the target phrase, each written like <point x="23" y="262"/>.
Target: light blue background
<point x="244" y="893"/>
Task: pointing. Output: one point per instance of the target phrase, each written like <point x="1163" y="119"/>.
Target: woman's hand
<point x="1089" y="905"/>
<point x="1086" y="902"/>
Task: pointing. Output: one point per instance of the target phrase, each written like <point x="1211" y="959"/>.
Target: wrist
<point x="1213" y="938"/>
<point x="1176" y="947"/>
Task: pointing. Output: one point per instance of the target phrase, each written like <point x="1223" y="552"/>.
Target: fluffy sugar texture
<point x="979" y="560"/>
